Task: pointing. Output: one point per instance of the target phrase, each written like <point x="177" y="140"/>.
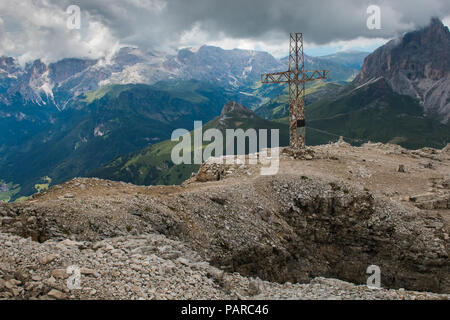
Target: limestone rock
<point x="56" y="294"/>
<point x="48" y="258"/>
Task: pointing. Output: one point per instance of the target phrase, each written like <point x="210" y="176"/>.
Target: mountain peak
<point x="436" y="22"/>
<point x="435" y="31"/>
<point x="235" y="108"/>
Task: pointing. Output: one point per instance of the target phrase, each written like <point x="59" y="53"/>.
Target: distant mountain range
<point x="350" y="59"/>
<point x="59" y="83"/>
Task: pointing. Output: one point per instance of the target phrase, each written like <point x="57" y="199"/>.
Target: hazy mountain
<point x="350" y="59"/>
<point x="58" y="83"/>
<point x="338" y="71"/>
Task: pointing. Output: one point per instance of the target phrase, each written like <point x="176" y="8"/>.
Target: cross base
<point x="305" y="153"/>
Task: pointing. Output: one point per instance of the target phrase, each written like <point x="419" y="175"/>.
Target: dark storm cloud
<point x="37" y="27"/>
<point x="322" y="21"/>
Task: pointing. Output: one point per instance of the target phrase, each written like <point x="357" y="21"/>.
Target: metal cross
<point x="296" y="77"/>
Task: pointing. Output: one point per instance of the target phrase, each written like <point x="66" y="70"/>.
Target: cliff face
<point x="416" y="64"/>
<point x="233" y="107"/>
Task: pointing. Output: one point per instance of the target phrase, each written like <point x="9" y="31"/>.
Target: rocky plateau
<point x="308" y="232"/>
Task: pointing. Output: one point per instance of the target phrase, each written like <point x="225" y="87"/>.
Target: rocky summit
<point x="308" y="232"/>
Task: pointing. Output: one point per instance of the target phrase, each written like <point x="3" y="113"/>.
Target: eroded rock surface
<point x="238" y="234"/>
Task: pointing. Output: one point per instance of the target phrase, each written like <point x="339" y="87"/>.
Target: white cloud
<point x="37" y="29"/>
<point x="446" y="21"/>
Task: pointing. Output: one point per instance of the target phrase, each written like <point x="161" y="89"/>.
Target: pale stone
<point x="48" y="258"/>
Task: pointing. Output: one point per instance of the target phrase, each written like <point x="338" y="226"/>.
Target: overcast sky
<point x="31" y="29"/>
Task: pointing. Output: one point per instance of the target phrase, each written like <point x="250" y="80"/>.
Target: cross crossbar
<point x="296" y="77"/>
